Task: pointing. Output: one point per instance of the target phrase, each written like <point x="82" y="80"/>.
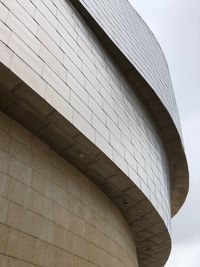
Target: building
<point x="92" y="165"/>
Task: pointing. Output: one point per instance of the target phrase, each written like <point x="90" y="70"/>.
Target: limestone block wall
<point x="51" y="48"/>
<point x="52" y="215"/>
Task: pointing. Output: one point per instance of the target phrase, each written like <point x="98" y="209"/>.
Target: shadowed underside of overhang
<point x="22" y="104"/>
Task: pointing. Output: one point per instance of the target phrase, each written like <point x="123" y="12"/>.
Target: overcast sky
<point x="176" y="24"/>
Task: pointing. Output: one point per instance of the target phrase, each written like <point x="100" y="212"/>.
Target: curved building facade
<point x="92" y="165"/>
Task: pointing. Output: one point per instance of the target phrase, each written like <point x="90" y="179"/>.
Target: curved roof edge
<point x="170" y="134"/>
<point x="133" y="37"/>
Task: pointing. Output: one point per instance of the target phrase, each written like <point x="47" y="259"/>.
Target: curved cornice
<point x="163" y="106"/>
<point x="135" y="40"/>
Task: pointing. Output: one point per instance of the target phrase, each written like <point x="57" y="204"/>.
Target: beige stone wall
<point x="50" y="214"/>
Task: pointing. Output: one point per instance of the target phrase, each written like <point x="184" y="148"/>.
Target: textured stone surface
<point x="46" y="218"/>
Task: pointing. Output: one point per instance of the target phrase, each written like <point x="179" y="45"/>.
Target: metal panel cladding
<point x="136" y="41"/>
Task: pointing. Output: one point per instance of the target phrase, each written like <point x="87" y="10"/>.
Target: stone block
<point x="43" y="205"/>
<point x="94" y="254"/>
<point x="12" y="262"/>
<point x="20" y="171"/>
<point x="20" y="245"/>
<point x="77" y="225"/>
<point x="41" y="184"/>
<point x="4" y="161"/>
<point x="61" y="257"/>
<point x="20" y="151"/>
<point x="20" y="193"/>
<point x="5" y="122"/>
<point x="41" y="163"/>
<point x="20" y="218"/>
<point x="3" y="238"/>
<point x="60" y="196"/>
<point x="44" y="254"/>
<point x="43" y="228"/>
<point x="21" y="134"/>
<point x="80" y="247"/>
<point x="4" y="181"/>
<point x="61" y="216"/>
<point x="63" y="238"/>
<point x="3" y="260"/>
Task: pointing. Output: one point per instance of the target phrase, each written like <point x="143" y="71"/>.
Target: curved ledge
<point x="170" y="131"/>
<point x="21" y="103"/>
<point x="135" y="40"/>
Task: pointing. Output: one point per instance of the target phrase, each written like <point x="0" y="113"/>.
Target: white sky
<point x="176" y="24"/>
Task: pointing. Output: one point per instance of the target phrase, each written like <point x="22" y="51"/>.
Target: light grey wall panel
<point x="136" y="41"/>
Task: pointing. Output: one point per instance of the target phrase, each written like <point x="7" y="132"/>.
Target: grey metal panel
<point x="136" y="41"/>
